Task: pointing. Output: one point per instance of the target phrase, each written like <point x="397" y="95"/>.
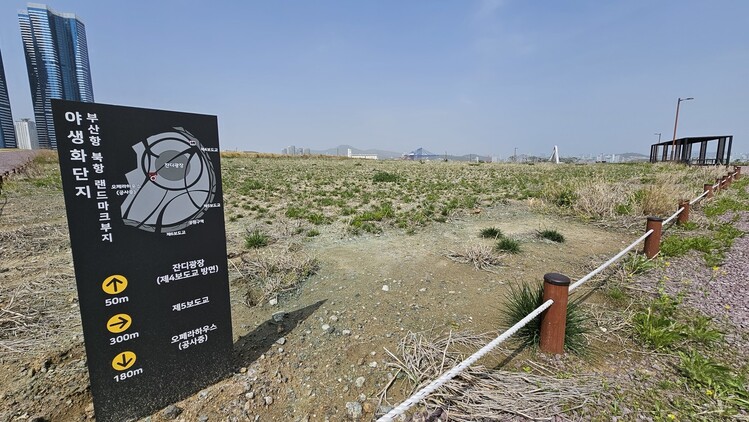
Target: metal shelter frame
<point x="683" y="150"/>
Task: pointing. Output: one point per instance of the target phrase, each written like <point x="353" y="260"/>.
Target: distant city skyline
<point x="7" y="133"/>
<point x="57" y="62"/>
<point x="481" y="77"/>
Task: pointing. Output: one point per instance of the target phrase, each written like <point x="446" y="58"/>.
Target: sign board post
<point x="144" y="204"/>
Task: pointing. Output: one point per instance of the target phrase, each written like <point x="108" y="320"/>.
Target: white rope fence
<point x="610" y="261"/>
<point x="447" y="376"/>
<point x="697" y="199"/>
<point x="676" y="214"/>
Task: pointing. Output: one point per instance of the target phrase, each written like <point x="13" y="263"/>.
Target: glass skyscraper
<point x="57" y="63"/>
<point x="7" y="132"/>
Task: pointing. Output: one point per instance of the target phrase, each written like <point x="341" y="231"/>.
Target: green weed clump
<point x="661" y="327"/>
<point x="51" y="181"/>
<point x="295" y="212"/>
<point x="383" y="176"/>
<point x="523" y="299"/>
<point x="552" y="235"/>
<point x="364" y="221"/>
<point x="736" y="202"/>
<point x="656" y="329"/>
<point x="623" y="209"/>
<point x="702" y="371"/>
<point x="712" y="247"/>
<point x="316" y="218"/>
<point x="505" y="244"/>
<point x="670" y="329"/>
<point x="256" y="239"/>
<point x="722" y="205"/>
<point x="678" y="246"/>
<point x="689" y="226"/>
<point x="565" y="198"/>
<point x="491" y="233"/>
<point x="250" y="185"/>
<point x="638" y="264"/>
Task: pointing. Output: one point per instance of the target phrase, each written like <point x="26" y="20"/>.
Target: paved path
<point x="12" y="159"/>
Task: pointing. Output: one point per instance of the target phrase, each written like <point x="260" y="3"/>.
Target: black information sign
<point x="144" y="204"/>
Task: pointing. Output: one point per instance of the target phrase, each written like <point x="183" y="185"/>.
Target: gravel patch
<point x="720" y="292"/>
<point x="11" y="160"/>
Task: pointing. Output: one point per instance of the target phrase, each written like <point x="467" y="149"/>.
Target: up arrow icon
<point x="114" y="284"/>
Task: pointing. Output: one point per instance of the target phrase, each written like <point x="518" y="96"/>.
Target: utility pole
<point x="676" y="122"/>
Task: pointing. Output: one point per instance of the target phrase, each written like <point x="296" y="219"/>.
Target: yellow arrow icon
<point x="119" y="323"/>
<point x="114" y="284"/>
<point x="123" y="361"/>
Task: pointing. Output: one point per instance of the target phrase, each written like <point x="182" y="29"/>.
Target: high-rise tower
<point x="7" y="133"/>
<point x="57" y="63"/>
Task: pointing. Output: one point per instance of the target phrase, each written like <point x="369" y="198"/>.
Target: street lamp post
<point x="676" y="122"/>
<point x="659" y="136"/>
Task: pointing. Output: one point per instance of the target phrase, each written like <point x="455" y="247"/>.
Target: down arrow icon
<point x="123" y="361"/>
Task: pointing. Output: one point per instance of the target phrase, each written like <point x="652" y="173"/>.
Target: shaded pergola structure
<point x="713" y="150"/>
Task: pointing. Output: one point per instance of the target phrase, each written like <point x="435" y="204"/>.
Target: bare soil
<point x="369" y="291"/>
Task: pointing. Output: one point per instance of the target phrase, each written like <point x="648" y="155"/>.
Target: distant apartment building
<point x="57" y="62"/>
<point x="7" y="134"/>
<point x="361" y="156"/>
<point x="26" y="134"/>
<point x="292" y="150"/>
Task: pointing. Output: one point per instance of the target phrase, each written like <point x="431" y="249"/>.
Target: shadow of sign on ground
<point x="252" y="345"/>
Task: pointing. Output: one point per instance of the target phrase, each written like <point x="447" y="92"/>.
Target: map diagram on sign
<point x="175" y="183"/>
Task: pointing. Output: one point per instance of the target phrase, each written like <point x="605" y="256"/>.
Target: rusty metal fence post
<point x="653" y="242"/>
<point x="684" y="215"/>
<point x="554" y="319"/>
<point x="707" y="187"/>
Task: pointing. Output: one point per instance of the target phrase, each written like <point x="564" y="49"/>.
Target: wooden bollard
<point x="718" y="185"/>
<point x="708" y="187"/>
<point x="653" y="242"/>
<point x="554" y="319"/>
<point x="737" y="169"/>
<point x="683" y="216"/>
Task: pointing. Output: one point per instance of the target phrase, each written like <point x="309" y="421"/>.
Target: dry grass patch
<point x="480" y="393"/>
<point x="272" y="274"/>
<point x="600" y="199"/>
<point x="481" y="256"/>
<point x="38" y="315"/>
<point x="661" y="198"/>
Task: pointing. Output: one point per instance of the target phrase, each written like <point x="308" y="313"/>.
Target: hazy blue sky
<point x="457" y="76"/>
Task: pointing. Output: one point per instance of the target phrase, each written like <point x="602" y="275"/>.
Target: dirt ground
<point x="327" y="350"/>
<point x="319" y="352"/>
